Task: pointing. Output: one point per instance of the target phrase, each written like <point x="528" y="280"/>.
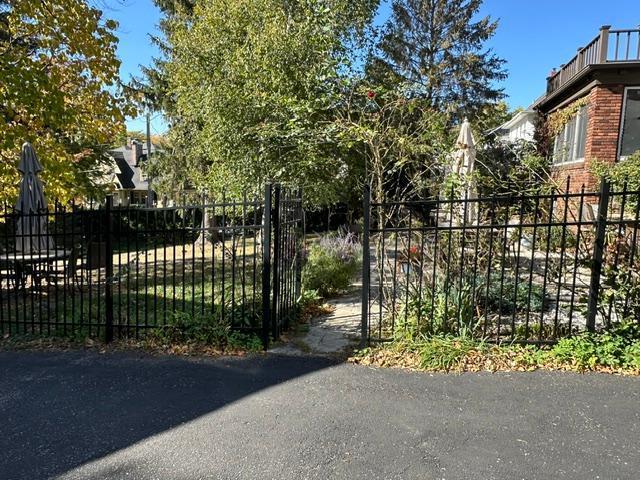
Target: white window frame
<point x="623" y="115"/>
<point x="138" y="197"/>
<point x="583" y="114"/>
<point x="580" y="118"/>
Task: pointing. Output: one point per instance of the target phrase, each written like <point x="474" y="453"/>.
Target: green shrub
<point x="621" y="289"/>
<point x="509" y="297"/>
<point x="332" y="264"/>
<point x="618" y="347"/>
<point x="555" y="239"/>
<point x="308" y="297"/>
<point x="620" y="174"/>
<point x="546" y="331"/>
<point x="182" y="328"/>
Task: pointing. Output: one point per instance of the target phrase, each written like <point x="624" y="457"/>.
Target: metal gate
<point x="282" y="250"/>
<point x="121" y="271"/>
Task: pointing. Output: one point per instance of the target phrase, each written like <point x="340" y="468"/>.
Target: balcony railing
<point x="611" y="46"/>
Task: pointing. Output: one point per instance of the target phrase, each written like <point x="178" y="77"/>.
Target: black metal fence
<point x="525" y="268"/>
<point x="105" y="271"/>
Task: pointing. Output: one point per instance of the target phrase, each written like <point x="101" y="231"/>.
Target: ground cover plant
<point x="616" y="350"/>
<point x="183" y="334"/>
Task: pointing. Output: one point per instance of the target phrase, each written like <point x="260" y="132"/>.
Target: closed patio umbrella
<point x="31" y="230"/>
<point x="465" y="159"/>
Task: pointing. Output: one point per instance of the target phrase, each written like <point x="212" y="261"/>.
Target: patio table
<point x="21" y="262"/>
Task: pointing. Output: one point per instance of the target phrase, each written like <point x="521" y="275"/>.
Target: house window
<point x="138" y="197"/>
<point x="630" y="136"/>
<point x="569" y="144"/>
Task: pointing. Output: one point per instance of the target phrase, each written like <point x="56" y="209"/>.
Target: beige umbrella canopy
<point x="465" y="160"/>
<point x="31" y="229"/>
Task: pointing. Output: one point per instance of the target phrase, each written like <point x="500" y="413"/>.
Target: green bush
<point x="182" y="327"/>
<point x="444" y="353"/>
<point x="332" y="264"/>
<point x="450" y="307"/>
<point x="621" y="290"/>
<point x="509" y="297"/>
<point x="555" y="239"/>
<point x="618" y="347"/>
<point x="620" y="174"/>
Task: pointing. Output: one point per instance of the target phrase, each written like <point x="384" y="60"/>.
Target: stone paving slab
<point x="333" y="333"/>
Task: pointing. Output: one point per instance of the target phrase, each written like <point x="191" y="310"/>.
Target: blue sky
<point x="533" y="36"/>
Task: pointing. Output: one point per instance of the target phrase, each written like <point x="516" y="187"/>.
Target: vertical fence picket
<point x="366" y="268"/>
<point x="109" y="271"/>
<point x="275" y="311"/>
<point x="598" y="254"/>
<point x="266" y="266"/>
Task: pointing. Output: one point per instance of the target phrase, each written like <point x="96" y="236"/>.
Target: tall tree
<point x="59" y="79"/>
<point x="152" y="86"/>
<point x="252" y="89"/>
<point x="437" y="49"/>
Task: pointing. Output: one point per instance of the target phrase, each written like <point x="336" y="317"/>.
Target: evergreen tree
<point x="153" y="84"/>
<point x="437" y="49"/>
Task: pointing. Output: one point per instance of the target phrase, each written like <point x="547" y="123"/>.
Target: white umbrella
<point x="465" y="162"/>
<point x="31" y="230"/>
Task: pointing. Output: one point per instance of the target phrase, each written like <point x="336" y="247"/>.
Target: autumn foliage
<point x="59" y="90"/>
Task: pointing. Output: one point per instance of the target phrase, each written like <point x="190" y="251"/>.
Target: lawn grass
<point x="149" y="287"/>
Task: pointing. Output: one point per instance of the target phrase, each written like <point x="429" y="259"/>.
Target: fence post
<point x="300" y="243"/>
<point x="275" y="212"/>
<point x="108" y="290"/>
<point x="603" y="54"/>
<point x="366" y="265"/>
<point x="598" y="253"/>
<point x="266" y="266"/>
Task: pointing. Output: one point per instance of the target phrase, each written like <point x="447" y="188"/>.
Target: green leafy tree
<point x="437" y="50"/>
<point x="404" y="143"/>
<point x="59" y="91"/>
<point x="253" y="87"/>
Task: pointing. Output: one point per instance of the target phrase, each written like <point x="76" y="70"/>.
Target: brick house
<point x="591" y="109"/>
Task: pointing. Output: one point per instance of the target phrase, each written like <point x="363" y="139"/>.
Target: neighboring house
<point x="131" y="182"/>
<point x="521" y="127"/>
<point x="592" y="106"/>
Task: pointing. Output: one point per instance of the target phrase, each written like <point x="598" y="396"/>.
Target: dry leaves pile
<point x="152" y="346"/>
<point x="313" y="310"/>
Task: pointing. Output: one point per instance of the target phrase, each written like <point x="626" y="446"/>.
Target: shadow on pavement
<point x="62" y="409"/>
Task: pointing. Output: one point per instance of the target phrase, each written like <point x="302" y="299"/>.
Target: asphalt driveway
<point x="85" y="415"/>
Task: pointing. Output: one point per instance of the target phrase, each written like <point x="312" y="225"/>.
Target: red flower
<point x="413" y="253"/>
<point x="371" y="94"/>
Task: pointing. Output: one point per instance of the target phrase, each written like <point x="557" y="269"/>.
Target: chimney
<point x="136" y="152"/>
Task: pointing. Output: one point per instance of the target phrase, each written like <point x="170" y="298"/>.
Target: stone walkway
<point x="330" y="334"/>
